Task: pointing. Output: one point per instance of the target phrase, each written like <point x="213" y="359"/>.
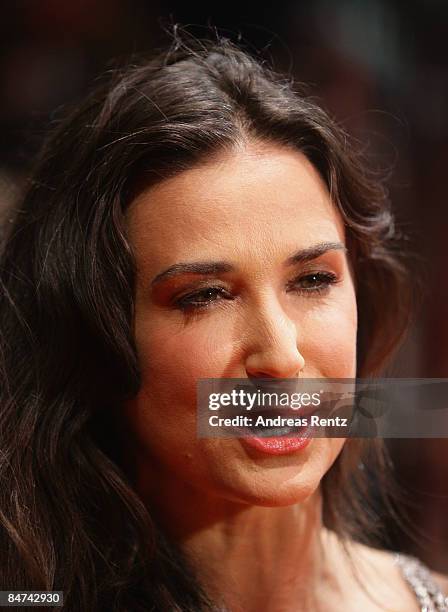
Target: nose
<point x="274" y="351"/>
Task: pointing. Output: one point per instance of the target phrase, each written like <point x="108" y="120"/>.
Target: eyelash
<point x="326" y="279"/>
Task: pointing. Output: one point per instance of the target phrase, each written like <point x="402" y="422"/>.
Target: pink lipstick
<point x="278" y="445"/>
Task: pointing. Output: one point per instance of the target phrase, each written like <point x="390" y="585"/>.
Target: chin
<point x="285" y="488"/>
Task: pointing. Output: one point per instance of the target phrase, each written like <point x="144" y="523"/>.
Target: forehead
<point x="253" y="200"/>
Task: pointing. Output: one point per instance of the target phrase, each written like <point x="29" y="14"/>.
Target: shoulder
<point x="385" y="580"/>
<point x="441" y="580"/>
<point x="404" y="575"/>
<point x="380" y="567"/>
<point x="371" y="578"/>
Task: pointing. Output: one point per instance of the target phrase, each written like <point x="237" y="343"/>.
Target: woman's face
<point x="260" y="315"/>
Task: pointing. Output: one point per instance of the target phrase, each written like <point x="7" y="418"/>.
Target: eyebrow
<point x="215" y="267"/>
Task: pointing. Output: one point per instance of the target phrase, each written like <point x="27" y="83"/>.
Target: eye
<point x="202" y="299"/>
<point x="313" y="282"/>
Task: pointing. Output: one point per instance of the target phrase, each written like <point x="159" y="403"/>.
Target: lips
<point x="279" y="440"/>
<point x="267" y="423"/>
<point x="277" y="428"/>
<point x="277" y="445"/>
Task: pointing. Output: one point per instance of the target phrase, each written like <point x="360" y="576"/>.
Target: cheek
<point x="183" y="353"/>
<point x="335" y="446"/>
<point x="329" y="339"/>
<point x="172" y="357"/>
<point x="163" y="415"/>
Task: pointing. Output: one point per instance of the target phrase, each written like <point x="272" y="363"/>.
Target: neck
<point x="262" y="558"/>
<point x="252" y="558"/>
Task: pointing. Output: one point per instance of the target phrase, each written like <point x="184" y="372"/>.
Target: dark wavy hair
<point x="70" y="519"/>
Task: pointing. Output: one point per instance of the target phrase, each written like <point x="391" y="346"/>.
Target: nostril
<point x="275" y="365"/>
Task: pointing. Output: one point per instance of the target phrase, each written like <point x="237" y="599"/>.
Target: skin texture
<point x="251" y="523"/>
<point x="253" y="209"/>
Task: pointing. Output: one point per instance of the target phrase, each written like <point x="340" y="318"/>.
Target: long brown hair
<point x="69" y="517"/>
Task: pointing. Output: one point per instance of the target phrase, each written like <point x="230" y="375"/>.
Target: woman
<point x="192" y="218"/>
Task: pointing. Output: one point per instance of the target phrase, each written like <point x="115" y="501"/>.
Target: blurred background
<point x="379" y="66"/>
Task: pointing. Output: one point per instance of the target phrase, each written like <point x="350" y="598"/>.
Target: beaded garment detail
<point x="429" y="595"/>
